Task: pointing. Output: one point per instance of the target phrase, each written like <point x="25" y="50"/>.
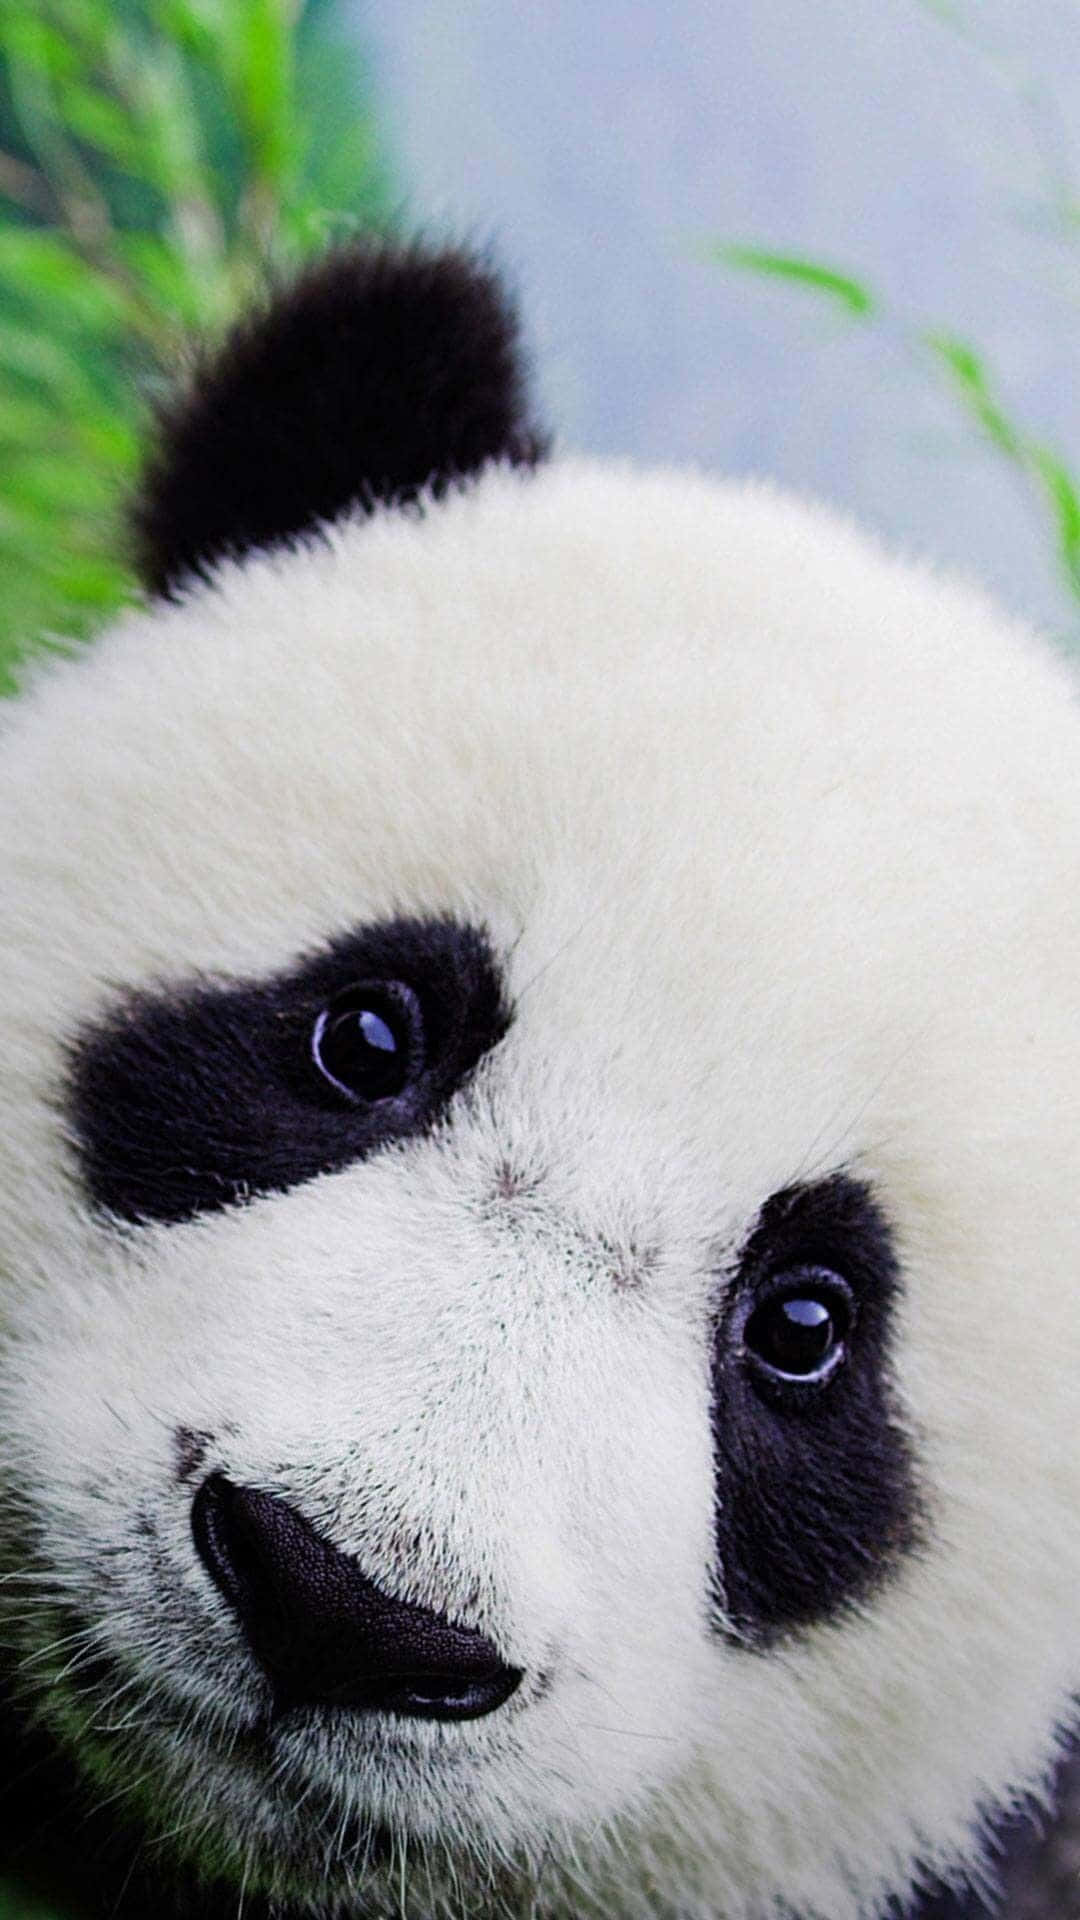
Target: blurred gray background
<point x="931" y="149"/>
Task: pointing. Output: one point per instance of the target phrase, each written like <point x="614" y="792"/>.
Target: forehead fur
<point x="675" y="696"/>
<point x="776" y="840"/>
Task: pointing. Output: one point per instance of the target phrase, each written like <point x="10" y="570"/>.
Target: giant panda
<point x="540" y="1194"/>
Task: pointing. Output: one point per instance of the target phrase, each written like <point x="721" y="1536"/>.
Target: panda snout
<point x="323" y="1632"/>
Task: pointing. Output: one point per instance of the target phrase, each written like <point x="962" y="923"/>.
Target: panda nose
<point x="323" y="1632"/>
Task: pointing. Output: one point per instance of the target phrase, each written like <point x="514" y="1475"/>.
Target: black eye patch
<point x="192" y="1097"/>
<point x="815" y="1486"/>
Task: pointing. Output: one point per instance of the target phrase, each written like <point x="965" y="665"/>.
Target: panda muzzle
<point x="323" y="1633"/>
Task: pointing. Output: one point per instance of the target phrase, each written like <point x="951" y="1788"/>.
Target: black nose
<point x="323" y="1632"/>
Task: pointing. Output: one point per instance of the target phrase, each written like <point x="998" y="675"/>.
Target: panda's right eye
<point x="368" y="1043"/>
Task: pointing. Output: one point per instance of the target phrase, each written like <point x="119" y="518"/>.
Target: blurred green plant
<point x="1049" y="478"/>
<point x="1055" y="485"/>
<point x="156" y="157"/>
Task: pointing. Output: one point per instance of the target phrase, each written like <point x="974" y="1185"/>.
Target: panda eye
<point x="369" y="1041"/>
<point x="800" y="1330"/>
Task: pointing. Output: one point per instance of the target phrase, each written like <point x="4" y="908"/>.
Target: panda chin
<point x="288" y="1842"/>
<point x="307" y="1811"/>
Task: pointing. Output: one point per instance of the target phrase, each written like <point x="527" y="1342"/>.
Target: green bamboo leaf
<point x="112" y="443"/>
<point x="176" y="156"/>
<point x="85" y="23"/>
<point x="194" y="29"/>
<point x="27" y="559"/>
<point x="36" y="262"/>
<point x="338" y="160"/>
<point x="25" y="420"/>
<point x="41" y="360"/>
<point x="164" y="273"/>
<point x="101" y="122"/>
<point x="56" y="484"/>
<point x="87" y="431"/>
<point x="94" y="582"/>
<point x="265" y="100"/>
<point x="1064" y="497"/>
<point x="173" y="125"/>
<point x="969" y="376"/>
<point x="31" y="41"/>
<point x="851" y="294"/>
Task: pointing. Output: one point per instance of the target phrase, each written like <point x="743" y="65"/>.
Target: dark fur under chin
<point x="84" y="1863"/>
<point x="1038" y="1859"/>
<point x="75" y="1851"/>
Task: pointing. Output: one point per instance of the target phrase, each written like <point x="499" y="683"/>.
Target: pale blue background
<point x="600" y="142"/>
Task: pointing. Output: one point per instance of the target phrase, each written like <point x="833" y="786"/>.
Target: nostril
<point x="323" y="1632"/>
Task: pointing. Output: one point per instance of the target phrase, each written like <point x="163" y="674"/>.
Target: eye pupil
<point x="803" y="1335"/>
<point x="798" y="1334"/>
<point x="366" y="1043"/>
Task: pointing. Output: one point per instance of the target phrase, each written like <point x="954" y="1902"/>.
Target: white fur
<point x="778" y="841"/>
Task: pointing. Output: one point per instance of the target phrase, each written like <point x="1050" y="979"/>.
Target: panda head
<point x="538" y="1224"/>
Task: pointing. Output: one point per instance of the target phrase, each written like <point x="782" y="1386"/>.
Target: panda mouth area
<point x="420" y="1695"/>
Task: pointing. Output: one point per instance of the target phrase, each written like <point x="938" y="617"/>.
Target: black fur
<point x="816" y="1492"/>
<point x="376" y="373"/>
<point x="68" y="1848"/>
<point x="193" y="1097"/>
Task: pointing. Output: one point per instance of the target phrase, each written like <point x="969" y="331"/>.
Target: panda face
<point x="539" y="1206"/>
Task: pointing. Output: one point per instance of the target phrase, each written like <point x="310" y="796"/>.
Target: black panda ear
<point x="376" y="373"/>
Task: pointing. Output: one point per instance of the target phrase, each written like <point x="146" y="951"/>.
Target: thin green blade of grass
<point x="963" y="367"/>
<point x="88" y="22"/>
<point x="267" y="89"/>
<point x="32" y="357"/>
<point x="100" y="122"/>
<point x="842" y="288"/>
<point x="46" y="265"/>
<point x="969" y="377"/>
<point x="1063" y="494"/>
<point x="37" y="44"/>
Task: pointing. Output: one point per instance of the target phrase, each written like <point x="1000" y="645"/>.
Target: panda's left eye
<point x="799" y="1331"/>
<point x="369" y="1041"/>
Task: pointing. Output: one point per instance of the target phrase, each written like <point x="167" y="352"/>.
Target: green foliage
<point x="1038" y="463"/>
<point x="1046" y="475"/>
<point x="1041" y="467"/>
<point x="850" y="294"/>
<point x="156" y="156"/>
